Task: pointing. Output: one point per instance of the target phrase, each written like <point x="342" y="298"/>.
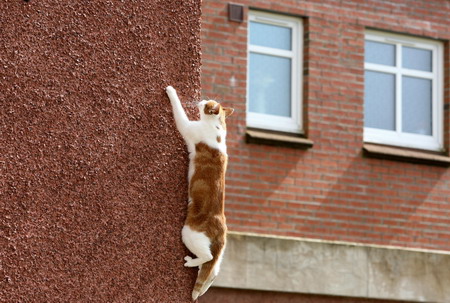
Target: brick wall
<point x="331" y="191"/>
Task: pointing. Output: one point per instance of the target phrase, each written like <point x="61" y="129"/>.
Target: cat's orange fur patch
<point x="207" y="191"/>
<point x="206" y="210"/>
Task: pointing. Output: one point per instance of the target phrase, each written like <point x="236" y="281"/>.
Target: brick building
<point x="338" y="191"/>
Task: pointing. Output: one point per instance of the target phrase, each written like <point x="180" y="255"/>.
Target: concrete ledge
<point x="401" y="154"/>
<point x="277" y="139"/>
<point x="293" y="265"/>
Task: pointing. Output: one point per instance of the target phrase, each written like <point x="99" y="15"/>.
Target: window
<point x="403" y="91"/>
<point x="274" y="72"/>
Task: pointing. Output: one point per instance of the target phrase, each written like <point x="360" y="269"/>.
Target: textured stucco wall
<point x="92" y="170"/>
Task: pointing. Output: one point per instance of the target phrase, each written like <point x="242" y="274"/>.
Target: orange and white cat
<point x="204" y="232"/>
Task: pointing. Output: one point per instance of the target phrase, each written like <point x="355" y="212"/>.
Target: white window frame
<point x="294" y="123"/>
<point x="397" y="137"/>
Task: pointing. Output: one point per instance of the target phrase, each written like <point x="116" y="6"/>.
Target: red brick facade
<point x="330" y="191"/>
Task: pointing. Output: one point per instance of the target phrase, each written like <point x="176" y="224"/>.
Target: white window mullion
<point x="394" y="69"/>
<point x="434" y="109"/>
<point x="437" y="95"/>
<point x="398" y="89"/>
<point x="271" y="51"/>
<point x="296" y="85"/>
<point x="381" y="68"/>
<point x="416" y="74"/>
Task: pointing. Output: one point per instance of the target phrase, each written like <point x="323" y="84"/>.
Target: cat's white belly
<point x="191" y="167"/>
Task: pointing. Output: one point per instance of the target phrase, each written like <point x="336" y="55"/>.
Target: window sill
<point x="277" y="139"/>
<point x="406" y="155"/>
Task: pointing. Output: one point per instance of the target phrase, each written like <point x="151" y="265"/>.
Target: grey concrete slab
<point x="316" y="267"/>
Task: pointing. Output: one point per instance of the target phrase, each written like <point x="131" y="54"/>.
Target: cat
<point x="204" y="232"/>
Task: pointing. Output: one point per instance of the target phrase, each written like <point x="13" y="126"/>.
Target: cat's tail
<point x="206" y="276"/>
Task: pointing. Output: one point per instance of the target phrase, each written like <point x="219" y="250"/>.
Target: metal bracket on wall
<point x="235" y="12"/>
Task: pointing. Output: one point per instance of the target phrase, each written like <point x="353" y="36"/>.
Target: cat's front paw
<point x="170" y="90"/>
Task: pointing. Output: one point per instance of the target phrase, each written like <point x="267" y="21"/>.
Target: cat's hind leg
<point x="199" y="244"/>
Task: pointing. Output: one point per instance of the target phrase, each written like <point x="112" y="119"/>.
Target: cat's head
<point x="211" y="109"/>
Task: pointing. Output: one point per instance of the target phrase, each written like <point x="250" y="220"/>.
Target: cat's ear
<point x="228" y="111"/>
<point x="216" y="109"/>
